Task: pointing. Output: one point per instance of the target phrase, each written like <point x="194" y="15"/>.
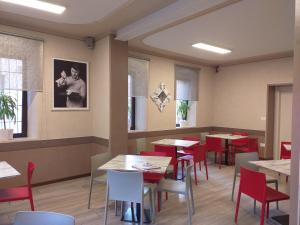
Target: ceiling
<point x="250" y="28"/>
<point x="253" y="29"/>
<point x="82" y="18"/>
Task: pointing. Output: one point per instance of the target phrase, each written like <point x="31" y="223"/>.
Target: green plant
<point x="7" y="108"/>
<point x="183" y="108"/>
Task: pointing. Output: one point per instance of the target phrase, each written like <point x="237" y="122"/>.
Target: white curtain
<point x="138" y="71"/>
<point x="21" y="57"/>
<point x="186" y="83"/>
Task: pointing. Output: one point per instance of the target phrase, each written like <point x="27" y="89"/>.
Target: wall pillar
<point x="295" y="166"/>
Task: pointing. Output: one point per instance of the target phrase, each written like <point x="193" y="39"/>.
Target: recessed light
<point x="211" y="48"/>
<point x="41" y="5"/>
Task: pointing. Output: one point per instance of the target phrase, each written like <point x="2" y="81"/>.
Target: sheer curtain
<point x="28" y="55"/>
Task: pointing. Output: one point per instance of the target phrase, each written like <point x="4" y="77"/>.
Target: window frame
<point x="132" y="125"/>
<point x="24" y="116"/>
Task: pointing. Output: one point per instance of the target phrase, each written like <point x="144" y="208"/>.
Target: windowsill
<point x="21" y="139"/>
<point x="186" y="127"/>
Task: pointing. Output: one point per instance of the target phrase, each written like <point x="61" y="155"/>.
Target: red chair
<point x="234" y="144"/>
<point x="284" y="153"/>
<point x="20" y="193"/>
<point x="215" y="145"/>
<point x="171" y="152"/>
<point x="154" y="178"/>
<point x="252" y="146"/>
<point x="198" y="156"/>
<point x="189" y="150"/>
<point x="253" y="184"/>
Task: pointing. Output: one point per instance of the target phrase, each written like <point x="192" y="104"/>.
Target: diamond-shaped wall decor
<point x="161" y="97"/>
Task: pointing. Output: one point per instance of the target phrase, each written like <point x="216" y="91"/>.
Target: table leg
<point x="226" y="151"/>
<point x="132" y="214"/>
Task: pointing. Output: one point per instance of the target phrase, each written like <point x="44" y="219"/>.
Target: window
<point x="186" y="95"/>
<point x="137" y="93"/>
<point x="11" y="71"/>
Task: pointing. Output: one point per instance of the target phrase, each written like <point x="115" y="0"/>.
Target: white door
<point x="283" y="117"/>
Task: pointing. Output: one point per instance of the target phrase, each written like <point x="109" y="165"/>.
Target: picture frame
<point x="70" y="85"/>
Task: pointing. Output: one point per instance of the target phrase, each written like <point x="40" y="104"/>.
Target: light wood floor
<point x="212" y="202"/>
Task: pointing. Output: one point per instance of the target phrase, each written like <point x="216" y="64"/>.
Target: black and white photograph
<point x="70" y="85"/>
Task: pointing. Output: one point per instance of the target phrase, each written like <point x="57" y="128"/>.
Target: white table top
<point x="126" y="163"/>
<point x="227" y="136"/>
<point x="7" y="170"/>
<point x="281" y="166"/>
<point x="288" y="147"/>
<point x="175" y="142"/>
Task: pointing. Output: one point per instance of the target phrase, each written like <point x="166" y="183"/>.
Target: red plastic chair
<point x="198" y="156"/>
<point x="171" y="152"/>
<point x="253" y="184"/>
<point x="189" y="150"/>
<point x="20" y="193"/>
<point x="284" y="153"/>
<point x="252" y="146"/>
<point x="215" y="145"/>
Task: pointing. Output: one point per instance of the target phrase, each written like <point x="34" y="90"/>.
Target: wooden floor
<point x="212" y="202"/>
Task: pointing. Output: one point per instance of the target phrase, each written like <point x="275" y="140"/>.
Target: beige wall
<point x="101" y="88"/>
<point x="162" y="70"/>
<point x="57" y="124"/>
<point x="240" y="92"/>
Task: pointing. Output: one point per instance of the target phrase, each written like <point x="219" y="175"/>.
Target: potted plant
<point x="7" y="112"/>
<point x="182" y="110"/>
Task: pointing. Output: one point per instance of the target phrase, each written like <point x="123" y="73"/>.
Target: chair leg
<point x="166" y="195"/>
<point x="192" y="198"/>
<point x="106" y="208"/>
<point x="195" y="173"/>
<point x="262" y="217"/>
<point x="90" y="194"/>
<point x="31" y="203"/>
<point x="220" y="159"/>
<point x="268" y="207"/>
<point x="276" y="187"/>
<point x="158" y="201"/>
<point x="152" y="206"/>
<point x="116" y="208"/>
<point x="215" y="157"/>
<point x="233" y="187"/>
<point x="237" y="207"/>
<point x="142" y="212"/>
<point x="182" y="169"/>
<point x="175" y="172"/>
<point x="200" y="165"/>
<point x="254" y="207"/>
<point x="188" y="208"/>
<point x="205" y="164"/>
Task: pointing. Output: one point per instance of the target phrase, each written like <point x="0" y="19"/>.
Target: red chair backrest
<point x="190" y="138"/>
<point x="199" y="153"/>
<point x="213" y="144"/>
<point x="285" y="154"/>
<point x="30" y="170"/>
<point x="253" y="144"/>
<point x="253" y="184"/>
<point x="169" y="150"/>
<point x="243" y="141"/>
<point x="148" y="153"/>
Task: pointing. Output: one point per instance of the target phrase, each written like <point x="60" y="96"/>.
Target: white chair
<point x="97" y="176"/>
<point x="43" y="218"/>
<point x="180" y="187"/>
<point x="127" y="187"/>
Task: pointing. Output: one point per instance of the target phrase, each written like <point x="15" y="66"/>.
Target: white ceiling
<point x="76" y="12"/>
<point x="250" y="28"/>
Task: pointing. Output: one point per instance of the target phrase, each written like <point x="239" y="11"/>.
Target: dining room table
<point x="227" y="138"/>
<point x="6" y="170"/>
<point x="282" y="166"/>
<point x="135" y="163"/>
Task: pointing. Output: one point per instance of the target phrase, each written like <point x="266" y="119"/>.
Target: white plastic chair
<point x="43" y="218"/>
<point x="180" y="187"/>
<point x="96" y="175"/>
<point x="127" y="187"/>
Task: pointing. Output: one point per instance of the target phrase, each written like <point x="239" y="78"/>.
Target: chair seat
<point x="171" y="186"/>
<point x="273" y="195"/>
<point x="11" y="194"/>
<point x="100" y="179"/>
<point x="186" y="158"/>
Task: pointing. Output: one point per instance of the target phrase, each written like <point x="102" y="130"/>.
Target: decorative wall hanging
<point x="161" y="97"/>
<point x="70" y="85"/>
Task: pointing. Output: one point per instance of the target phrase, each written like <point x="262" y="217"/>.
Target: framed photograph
<point x="70" y="85"/>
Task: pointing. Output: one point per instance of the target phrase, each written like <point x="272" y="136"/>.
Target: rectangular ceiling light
<point x="40" y="5"/>
<point x="211" y="48"/>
